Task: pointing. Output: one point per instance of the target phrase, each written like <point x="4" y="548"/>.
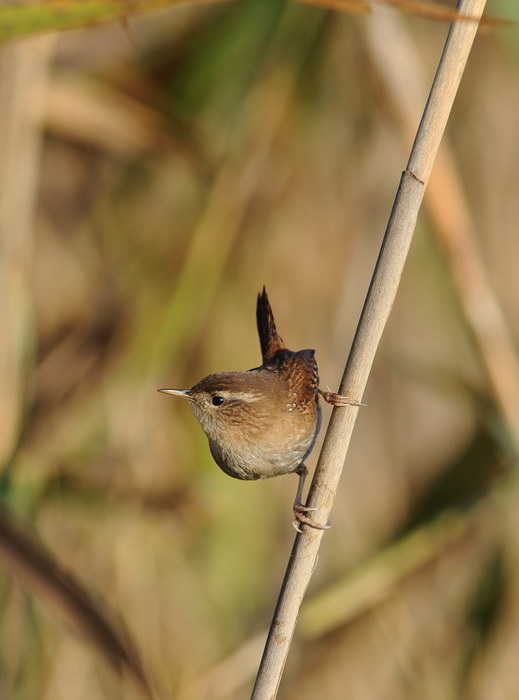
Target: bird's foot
<point x="339" y="399"/>
<point x="302" y="519"/>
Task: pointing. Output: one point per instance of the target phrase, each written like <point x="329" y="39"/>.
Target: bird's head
<point x="232" y="401"/>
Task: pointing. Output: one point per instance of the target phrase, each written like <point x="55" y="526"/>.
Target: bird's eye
<point x="217" y="400"/>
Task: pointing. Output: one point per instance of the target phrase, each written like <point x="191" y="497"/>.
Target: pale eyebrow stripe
<point x="241" y="395"/>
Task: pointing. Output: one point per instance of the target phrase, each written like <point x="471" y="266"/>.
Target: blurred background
<point x="155" y="173"/>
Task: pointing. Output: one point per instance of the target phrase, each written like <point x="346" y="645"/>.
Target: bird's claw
<point x="339" y="399"/>
<point x="296" y="527"/>
<point x="302" y="519"/>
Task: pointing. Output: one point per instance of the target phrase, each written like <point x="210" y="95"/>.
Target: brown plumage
<point x="263" y="422"/>
<point x="270" y="340"/>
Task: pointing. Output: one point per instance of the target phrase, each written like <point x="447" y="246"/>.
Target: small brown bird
<point x="264" y="422"/>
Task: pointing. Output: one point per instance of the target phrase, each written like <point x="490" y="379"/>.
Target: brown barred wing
<point x="299" y="370"/>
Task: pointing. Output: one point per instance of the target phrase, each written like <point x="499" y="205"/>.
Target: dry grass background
<point x="146" y="193"/>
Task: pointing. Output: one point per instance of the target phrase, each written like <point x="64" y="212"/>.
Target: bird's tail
<point x="269" y="339"/>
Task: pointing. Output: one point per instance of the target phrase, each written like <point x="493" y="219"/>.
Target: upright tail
<point x="269" y="339"/>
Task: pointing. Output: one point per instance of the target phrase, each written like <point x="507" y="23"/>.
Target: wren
<point x="264" y="422"/>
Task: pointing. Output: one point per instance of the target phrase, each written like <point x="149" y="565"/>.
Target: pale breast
<point x="278" y="452"/>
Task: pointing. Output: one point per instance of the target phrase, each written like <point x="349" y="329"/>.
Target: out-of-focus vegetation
<point x="147" y="191"/>
<point x="25" y="17"/>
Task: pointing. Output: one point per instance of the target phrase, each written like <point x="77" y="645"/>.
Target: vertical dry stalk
<point x="375" y="313"/>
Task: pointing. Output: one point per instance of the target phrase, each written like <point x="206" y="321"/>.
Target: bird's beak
<point x="184" y="393"/>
